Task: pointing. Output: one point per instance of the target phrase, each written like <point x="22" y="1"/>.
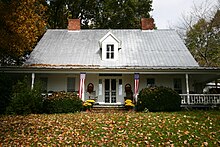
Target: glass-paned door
<point x="110" y="90"/>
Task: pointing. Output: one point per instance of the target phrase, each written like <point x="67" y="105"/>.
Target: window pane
<point x="112" y="48"/>
<point x="110" y="51"/>
<point x="113" y="84"/>
<point x="70" y="84"/>
<point x="107" y="55"/>
<point x="112" y="55"/>
<point x="120" y="81"/>
<point x="107" y="91"/>
<point x="107" y="84"/>
<point x="44" y="83"/>
<point x="177" y="83"/>
<point x="150" y="82"/>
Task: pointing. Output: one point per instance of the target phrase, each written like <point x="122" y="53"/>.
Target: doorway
<point x="110" y="90"/>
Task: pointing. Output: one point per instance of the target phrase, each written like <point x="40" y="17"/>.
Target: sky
<point x="167" y="13"/>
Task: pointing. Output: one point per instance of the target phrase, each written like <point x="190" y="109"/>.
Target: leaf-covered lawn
<point x="112" y="129"/>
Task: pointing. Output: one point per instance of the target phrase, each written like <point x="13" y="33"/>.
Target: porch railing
<point x="200" y="99"/>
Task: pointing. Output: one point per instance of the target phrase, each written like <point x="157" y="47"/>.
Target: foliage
<point x="5" y="88"/>
<point x="189" y="128"/>
<point x="115" y="14"/>
<point x="62" y="102"/>
<point x="22" y="23"/>
<point x="201" y="32"/>
<point x="158" y="99"/>
<point x="24" y="100"/>
<point x="120" y="14"/>
<point x="6" y="83"/>
<point x="203" y="40"/>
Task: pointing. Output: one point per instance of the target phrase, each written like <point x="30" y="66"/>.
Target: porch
<point x="200" y="100"/>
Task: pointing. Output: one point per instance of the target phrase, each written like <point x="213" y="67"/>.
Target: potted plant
<point x="87" y="105"/>
<point x="129" y="104"/>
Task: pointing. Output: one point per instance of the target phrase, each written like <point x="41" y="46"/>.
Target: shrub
<point x="6" y="83"/>
<point x="24" y="100"/>
<point x="62" y="102"/>
<point x="158" y="99"/>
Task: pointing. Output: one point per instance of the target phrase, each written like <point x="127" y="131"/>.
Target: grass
<point x="187" y="128"/>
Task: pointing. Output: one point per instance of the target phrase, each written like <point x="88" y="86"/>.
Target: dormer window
<point x="110" y="46"/>
<point x="110" y="51"/>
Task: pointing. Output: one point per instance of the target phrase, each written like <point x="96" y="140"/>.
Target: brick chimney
<point x="73" y="24"/>
<point x="147" y="24"/>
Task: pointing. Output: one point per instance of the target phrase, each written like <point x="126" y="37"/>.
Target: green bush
<point x="158" y="99"/>
<point x="6" y="83"/>
<point x="24" y="100"/>
<point x="62" y="102"/>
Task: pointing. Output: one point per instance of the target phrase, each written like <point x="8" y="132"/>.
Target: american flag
<point x="81" y="85"/>
<point x="136" y="85"/>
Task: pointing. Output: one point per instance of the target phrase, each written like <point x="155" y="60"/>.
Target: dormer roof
<point x="109" y="34"/>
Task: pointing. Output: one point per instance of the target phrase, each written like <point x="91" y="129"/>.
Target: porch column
<point x="32" y="80"/>
<point x="82" y="86"/>
<point x="187" y="88"/>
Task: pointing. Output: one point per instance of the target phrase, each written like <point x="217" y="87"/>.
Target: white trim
<point x="200" y="99"/>
<point x="187" y="88"/>
<point x="95" y="70"/>
<point x="117" y="103"/>
<point x="106" y="36"/>
<point x="32" y="80"/>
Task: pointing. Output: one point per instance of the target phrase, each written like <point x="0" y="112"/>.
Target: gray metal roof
<point x="157" y="48"/>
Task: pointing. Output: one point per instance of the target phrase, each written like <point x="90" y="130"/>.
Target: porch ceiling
<point x="204" y="78"/>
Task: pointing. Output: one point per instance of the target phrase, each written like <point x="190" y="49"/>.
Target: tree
<point x="58" y="14"/>
<point x="118" y="14"/>
<point x="115" y="14"/>
<point x="22" y="24"/>
<point x="203" y="40"/>
<point x="202" y="34"/>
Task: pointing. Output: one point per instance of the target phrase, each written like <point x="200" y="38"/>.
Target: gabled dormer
<point x="110" y="46"/>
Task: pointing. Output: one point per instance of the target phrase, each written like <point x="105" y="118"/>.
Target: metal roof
<point x="157" y="48"/>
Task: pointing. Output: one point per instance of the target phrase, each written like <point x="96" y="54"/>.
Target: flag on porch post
<point x="81" y="85"/>
<point x="136" y="85"/>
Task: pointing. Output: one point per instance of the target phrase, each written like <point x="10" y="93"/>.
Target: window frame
<point x="44" y="81"/>
<point x="73" y="85"/>
<point x="179" y="88"/>
<point x="110" y="52"/>
<point x="149" y="84"/>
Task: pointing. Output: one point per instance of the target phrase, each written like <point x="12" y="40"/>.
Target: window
<point x="177" y="84"/>
<point x="110" y="51"/>
<point x="100" y="86"/>
<point x="150" y="82"/>
<point x="120" y="87"/>
<point x="44" y="82"/>
<point x="70" y="84"/>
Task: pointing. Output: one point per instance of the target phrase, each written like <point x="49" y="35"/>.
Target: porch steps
<point x="107" y="108"/>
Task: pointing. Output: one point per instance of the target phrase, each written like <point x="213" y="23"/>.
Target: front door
<point x="110" y="90"/>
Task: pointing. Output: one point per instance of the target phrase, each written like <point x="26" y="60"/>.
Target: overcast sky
<point x="169" y="12"/>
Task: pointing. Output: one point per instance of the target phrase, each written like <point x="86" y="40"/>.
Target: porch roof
<point x="139" y="49"/>
<point x="126" y="70"/>
<point x="200" y="74"/>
